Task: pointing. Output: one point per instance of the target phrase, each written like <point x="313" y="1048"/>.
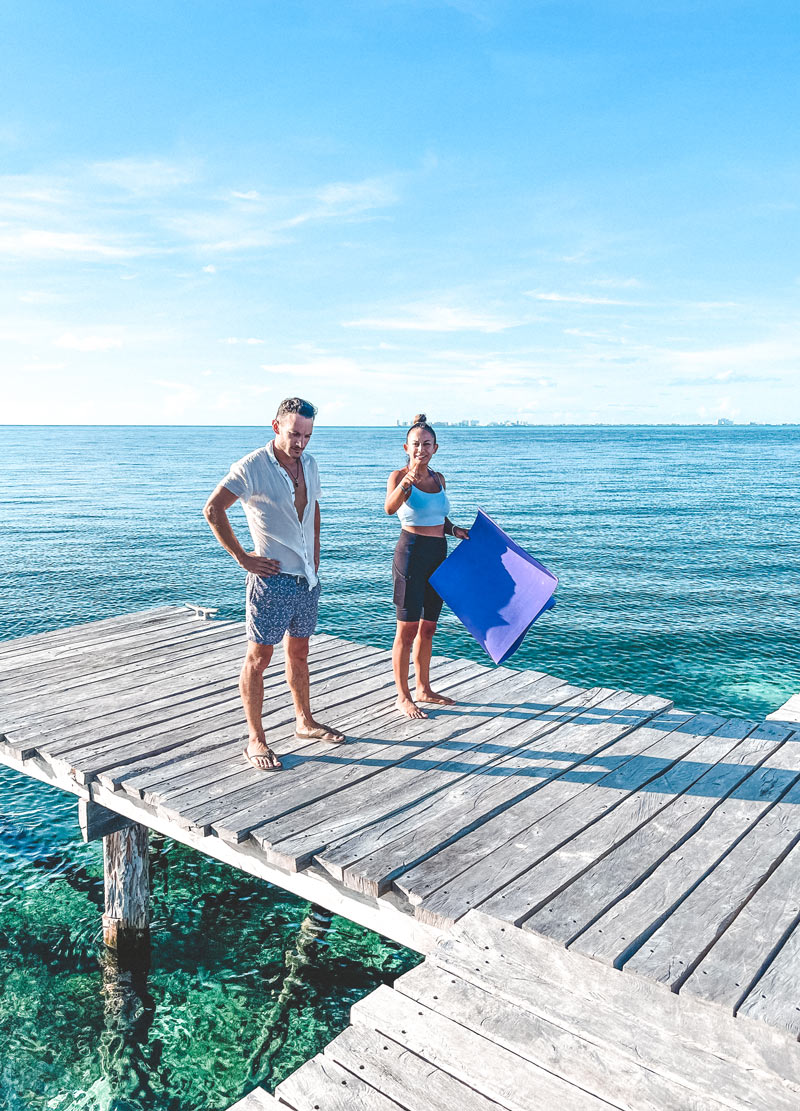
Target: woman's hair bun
<point x="420" y="418"/>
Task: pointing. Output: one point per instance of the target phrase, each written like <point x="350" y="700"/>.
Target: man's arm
<point x="316" y="537"/>
<point x="216" y="513"/>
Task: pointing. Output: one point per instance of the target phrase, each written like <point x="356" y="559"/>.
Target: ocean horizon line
<point x="451" y="427"/>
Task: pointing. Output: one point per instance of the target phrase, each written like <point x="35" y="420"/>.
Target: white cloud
<point x="235" y="339"/>
<point x="87" y="342"/>
<point x="210" y="269"/>
<point x="574" y="298"/>
<point x="39" y="243"/>
<point x="434" y="318"/>
<point x="338" y="368"/>
<point x="143" y="175"/>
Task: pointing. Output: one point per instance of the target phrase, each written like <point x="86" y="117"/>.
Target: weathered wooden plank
<point x="627" y="925"/>
<point x="371" y="860"/>
<point x="257" y="1100"/>
<point x="188" y="785"/>
<point x="156" y="754"/>
<point x="31" y="642"/>
<point x="239" y="788"/>
<point x="390" y="741"/>
<point x="427" y="876"/>
<point x="512" y="1081"/>
<point x="774" y="998"/>
<point x="327" y="769"/>
<point x="513" y="958"/>
<point x="633" y="843"/>
<point x="605" y="1071"/>
<point x="312" y="770"/>
<point x="113" y="729"/>
<point x="401" y="1074"/>
<point x="679" y="944"/>
<point x="322" y="1084"/>
<point x="478" y="865"/>
<point x="661" y="1037"/>
<point x="96" y="821"/>
<point x="380" y="915"/>
<point x="733" y="965"/>
<point x="123" y="682"/>
<point x="558" y="846"/>
<point x="101" y="750"/>
<point x="75" y="669"/>
<point x="181" y="681"/>
<point x="89" y="649"/>
<point x="789" y="711"/>
<point x="439" y="770"/>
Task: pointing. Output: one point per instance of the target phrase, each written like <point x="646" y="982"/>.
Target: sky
<point x="551" y="211"/>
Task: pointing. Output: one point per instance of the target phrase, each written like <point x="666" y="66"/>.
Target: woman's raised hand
<point x="411" y="474"/>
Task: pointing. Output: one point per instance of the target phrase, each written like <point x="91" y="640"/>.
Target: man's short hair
<point x="296" y="405"/>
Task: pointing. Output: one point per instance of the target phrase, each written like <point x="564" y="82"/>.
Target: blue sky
<point x="548" y="211"/>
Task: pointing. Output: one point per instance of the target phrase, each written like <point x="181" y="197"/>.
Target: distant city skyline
<point x="572" y="213"/>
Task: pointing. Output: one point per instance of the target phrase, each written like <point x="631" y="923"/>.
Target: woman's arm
<point x="397" y="490"/>
<point x="455" y="530"/>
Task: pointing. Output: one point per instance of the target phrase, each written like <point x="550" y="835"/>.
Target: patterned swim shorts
<point x="278" y="604"/>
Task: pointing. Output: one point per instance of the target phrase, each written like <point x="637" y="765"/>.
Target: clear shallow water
<point x="678" y="552"/>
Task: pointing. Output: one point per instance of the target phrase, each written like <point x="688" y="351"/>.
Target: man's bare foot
<point x="428" y="695"/>
<point x="409" y="708"/>
<point x="261" y="756"/>
<point x="313" y="731"/>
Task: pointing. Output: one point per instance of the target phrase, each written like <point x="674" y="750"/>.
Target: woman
<point x="416" y="493"/>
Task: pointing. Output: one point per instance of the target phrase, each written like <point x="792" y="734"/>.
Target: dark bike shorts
<point x="415" y="559"/>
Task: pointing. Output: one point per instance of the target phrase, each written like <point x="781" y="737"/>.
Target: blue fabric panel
<point x="495" y="588"/>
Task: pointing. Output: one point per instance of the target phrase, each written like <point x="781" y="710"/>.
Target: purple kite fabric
<point x="494" y="587"/>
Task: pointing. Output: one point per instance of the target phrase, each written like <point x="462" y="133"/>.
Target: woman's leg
<point x="423" y="650"/>
<point x="401" y="656"/>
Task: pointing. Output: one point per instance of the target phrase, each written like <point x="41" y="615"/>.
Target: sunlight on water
<point x="678" y="552"/>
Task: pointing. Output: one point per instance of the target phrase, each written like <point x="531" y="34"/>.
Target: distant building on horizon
<point x="723" y="421"/>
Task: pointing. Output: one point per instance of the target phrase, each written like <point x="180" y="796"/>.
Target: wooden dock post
<point x="126" y="869"/>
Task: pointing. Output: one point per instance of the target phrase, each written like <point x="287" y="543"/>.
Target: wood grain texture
<point x="627" y="843"/>
<point x="323" y="1085"/>
<point x="498" y="1073"/>
<point x="402" y="1075"/>
<point x="625" y="926"/>
<point x="605" y="1071"/>
<point x="476" y="867"/>
<point x="731" y="968"/>
<point x="487" y="948"/>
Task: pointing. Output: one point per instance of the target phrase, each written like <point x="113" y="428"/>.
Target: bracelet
<point x="448" y="527"/>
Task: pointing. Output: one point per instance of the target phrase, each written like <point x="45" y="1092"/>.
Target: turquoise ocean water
<point x="678" y="551"/>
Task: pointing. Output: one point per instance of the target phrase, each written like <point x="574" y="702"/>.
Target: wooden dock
<point x="607" y="889"/>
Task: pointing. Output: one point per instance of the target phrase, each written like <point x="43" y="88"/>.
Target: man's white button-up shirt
<point x="267" y="494"/>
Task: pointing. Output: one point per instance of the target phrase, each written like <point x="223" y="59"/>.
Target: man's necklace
<point x="295" y="478"/>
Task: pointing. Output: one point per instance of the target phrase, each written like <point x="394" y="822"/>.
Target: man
<point x="279" y="487"/>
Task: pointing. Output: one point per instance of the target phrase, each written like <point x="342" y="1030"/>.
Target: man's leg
<point x="251" y="688"/>
<point x="298" y="680"/>
<point x="423" y="650"/>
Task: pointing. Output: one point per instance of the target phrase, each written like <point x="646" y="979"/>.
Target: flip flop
<point x="252" y="757"/>
<point x="321" y="734"/>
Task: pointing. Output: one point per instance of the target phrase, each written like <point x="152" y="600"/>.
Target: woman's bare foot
<point x="408" y="707"/>
<point x="428" y="695"/>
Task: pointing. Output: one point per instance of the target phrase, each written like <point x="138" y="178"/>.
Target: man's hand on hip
<point x="259" y="565"/>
